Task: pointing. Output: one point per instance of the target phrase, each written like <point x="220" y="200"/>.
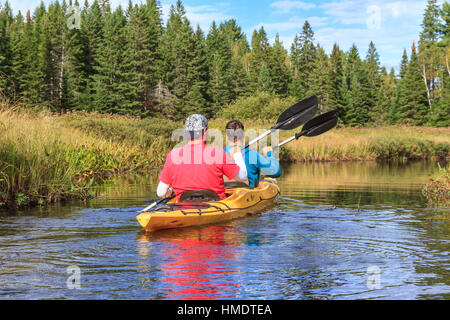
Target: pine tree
<point x="403" y="64"/>
<point x="374" y="78"/>
<point x="356" y="109"/>
<point x="142" y="62"/>
<point x="428" y="50"/>
<point x="75" y="69"/>
<point x="279" y="68"/>
<point x="321" y="80"/>
<point x="445" y="26"/>
<point x="183" y="64"/>
<point x="337" y="81"/>
<point x="18" y="54"/>
<point x="259" y="57"/>
<point x="240" y="80"/>
<point x="385" y="99"/>
<point x="6" y="21"/>
<point x="92" y="24"/>
<point x="413" y="108"/>
<point x="303" y="54"/>
<point x="110" y="78"/>
<point x="218" y="47"/>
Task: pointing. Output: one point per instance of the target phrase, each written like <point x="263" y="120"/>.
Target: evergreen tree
<point x="428" y="50"/>
<point x="183" y="64"/>
<point x="110" y="81"/>
<point x="75" y="69"/>
<point x="337" y="81"/>
<point x="376" y="108"/>
<point x="403" y="64"/>
<point x="6" y="20"/>
<point x="413" y="108"/>
<point x="259" y="57"/>
<point x="219" y="60"/>
<point x="279" y="68"/>
<point x="240" y="80"/>
<point x="321" y="80"/>
<point x="303" y="54"/>
<point x="356" y="88"/>
<point x="92" y="24"/>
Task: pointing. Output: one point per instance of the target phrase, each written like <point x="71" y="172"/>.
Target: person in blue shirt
<point x="256" y="163"/>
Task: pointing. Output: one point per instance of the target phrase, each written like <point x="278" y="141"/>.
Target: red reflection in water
<point x="198" y="265"/>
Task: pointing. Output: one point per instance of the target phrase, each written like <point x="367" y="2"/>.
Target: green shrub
<point x="261" y="106"/>
<point x="437" y="191"/>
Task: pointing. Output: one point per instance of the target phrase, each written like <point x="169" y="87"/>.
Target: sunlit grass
<point x="45" y="158"/>
<point x="437" y="190"/>
<point x="345" y="144"/>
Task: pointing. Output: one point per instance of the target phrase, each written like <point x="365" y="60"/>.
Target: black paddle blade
<point x="320" y="124"/>
<point x="298" y="114"/>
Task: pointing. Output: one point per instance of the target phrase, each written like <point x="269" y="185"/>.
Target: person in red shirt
<point x="197" y="166"/>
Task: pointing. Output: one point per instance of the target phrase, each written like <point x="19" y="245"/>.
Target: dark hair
<point x="235" y="130"/>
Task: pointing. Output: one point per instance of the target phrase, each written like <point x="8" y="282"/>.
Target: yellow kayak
<point x="241" y="201"/>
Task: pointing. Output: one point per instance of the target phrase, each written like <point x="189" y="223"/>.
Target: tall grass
<point x="388" y="143"/>
<point x="437" y="190"/>
<point x="361" y="144"/>
<point x="46" y="158"/>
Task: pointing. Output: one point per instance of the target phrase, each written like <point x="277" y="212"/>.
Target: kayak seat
<point x="235" y="184"/>
<point x="199" y="196"/>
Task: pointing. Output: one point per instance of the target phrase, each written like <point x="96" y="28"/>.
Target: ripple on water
<point x="334" y="228"/>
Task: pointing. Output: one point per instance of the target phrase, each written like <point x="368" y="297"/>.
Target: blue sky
<point x="391" y="24"/>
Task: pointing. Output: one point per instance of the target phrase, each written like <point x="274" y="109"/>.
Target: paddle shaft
<point x="259" y="138"/>
<point x="154" y="204"/>
<point x="265" y="134"/>
<point x="297" y="136"/>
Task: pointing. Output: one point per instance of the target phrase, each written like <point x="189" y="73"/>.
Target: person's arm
<point x="164" y="190"/>
<point x="270" y="166"/>
<point x="236" y="153"/>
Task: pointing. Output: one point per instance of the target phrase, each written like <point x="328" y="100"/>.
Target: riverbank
<point x="45" y="158"/>
<point x="361" y="144"/>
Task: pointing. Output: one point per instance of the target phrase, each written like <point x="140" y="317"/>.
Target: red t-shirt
<point x="197" y="167"/>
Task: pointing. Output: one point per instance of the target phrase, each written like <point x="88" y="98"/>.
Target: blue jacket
<point x="257" y="164"/>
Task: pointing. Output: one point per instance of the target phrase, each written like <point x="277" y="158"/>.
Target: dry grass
<point x="44" y="159"/>
<point x="361" y="144"/>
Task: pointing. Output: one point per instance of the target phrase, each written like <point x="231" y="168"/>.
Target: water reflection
<point x="196" y="263"/>
<point x="333" y="221"/>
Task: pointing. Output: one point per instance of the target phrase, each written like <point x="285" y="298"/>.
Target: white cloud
<point x="202" y="15"/>
<point x="294" y="23"/>
<point x="352" y="12"/>
<point x="287" y="6"/>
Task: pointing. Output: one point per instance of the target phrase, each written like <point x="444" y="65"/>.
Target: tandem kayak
<point x="240" y="202"/>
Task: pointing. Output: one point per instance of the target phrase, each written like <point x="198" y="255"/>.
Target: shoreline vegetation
<point x="47" y="157"/>
<point x="437" y="190"/>
<point x="151" y="73"/>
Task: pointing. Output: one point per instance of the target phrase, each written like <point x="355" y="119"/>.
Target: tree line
<point x="127" y="61"/>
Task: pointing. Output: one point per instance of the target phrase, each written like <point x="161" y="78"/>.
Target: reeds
<point x="437" y="190"/>
<point x="46" y="158"/>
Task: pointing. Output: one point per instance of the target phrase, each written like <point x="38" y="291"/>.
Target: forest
<point x="127" y="61"/>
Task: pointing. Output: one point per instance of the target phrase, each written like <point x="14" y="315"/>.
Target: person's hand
<point x="266" y="150"/>
<point x="170" y="193"/>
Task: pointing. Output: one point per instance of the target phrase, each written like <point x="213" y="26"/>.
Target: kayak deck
<point x="241" y="202"/>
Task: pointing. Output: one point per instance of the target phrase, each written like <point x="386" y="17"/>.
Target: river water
<point x="339" y="231"/>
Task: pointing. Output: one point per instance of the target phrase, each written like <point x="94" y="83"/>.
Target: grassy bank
<point x="46" y="158"/>
<point x="362" y="144"/>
